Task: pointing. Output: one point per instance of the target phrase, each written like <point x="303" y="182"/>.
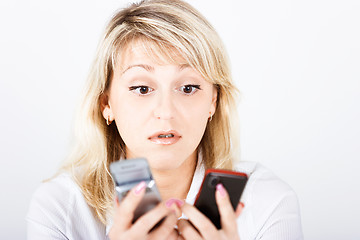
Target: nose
<point x="165" y="107"/>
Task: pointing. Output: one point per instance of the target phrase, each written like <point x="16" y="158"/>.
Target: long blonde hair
<point x="165" y="27"/>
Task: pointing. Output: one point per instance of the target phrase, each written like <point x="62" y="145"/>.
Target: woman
<point x="160" y="88"/>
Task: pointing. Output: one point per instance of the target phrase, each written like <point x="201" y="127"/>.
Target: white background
<point x="297" y="64"/>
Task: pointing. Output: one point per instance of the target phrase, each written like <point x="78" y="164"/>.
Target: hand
<point x="123" y="228"/>
<point x="200" y="227"/>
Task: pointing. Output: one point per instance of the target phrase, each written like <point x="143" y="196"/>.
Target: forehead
<point x="146" y="51"/>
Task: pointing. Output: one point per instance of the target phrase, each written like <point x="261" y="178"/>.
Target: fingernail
<point x="171" y="201"/>
<point x="221" y="189"/>
<point x="140" y="187"/>
<point x="242" y="205"/>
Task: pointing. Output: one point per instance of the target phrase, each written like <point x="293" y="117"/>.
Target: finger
<point x="147" y="221"/>
<point x="200" y="222"/>
<point x="124" y="212"/>
<point x="227" y="213"/>
<point x="117" y="203"/>
<point x="166" y="228"/>
<point x="187" y="231"/>
<point x="175" y="205"/>
<point x="174" y="235"/>
<point x="180" y="238"/>
<point x="239" y="209"/>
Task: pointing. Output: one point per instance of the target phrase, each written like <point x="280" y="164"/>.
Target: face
<point x="161" y="111"/>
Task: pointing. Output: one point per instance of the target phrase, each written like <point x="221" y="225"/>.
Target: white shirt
<point x="58" y="209"/>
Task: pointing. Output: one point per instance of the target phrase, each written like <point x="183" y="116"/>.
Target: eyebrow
<point x="151" y="68"/>
<point x="183" y="66"/>
<point x="144" y="66"/>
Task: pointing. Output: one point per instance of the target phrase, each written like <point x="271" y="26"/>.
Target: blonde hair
<point x="166" y="29"/>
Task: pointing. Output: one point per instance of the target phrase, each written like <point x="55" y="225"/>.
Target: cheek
<point x="195" y="117"/>
<point x="130" y="117"/>
<point x="196" y="109"/>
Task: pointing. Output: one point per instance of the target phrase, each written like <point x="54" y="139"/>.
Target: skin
<point x="164" y="107"/>
<point x="146" y="99"/>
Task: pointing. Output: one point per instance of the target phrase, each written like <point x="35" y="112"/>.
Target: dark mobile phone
<point x="234" y="183"/>
<point x="127" y="174"/>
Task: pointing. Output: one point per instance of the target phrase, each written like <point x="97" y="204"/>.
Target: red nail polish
<point x="242" y="205"/>
<point x="221" y="189"/>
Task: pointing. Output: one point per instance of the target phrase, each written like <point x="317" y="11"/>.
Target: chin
<point x="164" y="162"/>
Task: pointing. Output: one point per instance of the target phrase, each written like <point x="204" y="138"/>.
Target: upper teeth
<point x="166" y="135"/>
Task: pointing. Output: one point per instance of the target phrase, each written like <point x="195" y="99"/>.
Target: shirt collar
<point x="196" y="181"/>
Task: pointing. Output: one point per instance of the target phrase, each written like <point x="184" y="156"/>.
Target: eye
<point x="141" y="90"/>
<point x="190" y="89"/>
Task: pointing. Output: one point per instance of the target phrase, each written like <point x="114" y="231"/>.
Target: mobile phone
<point x="127" y="174"/>
<point x="234" y="183"/>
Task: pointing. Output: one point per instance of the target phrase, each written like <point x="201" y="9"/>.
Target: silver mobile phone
<point x="127" y="174"/>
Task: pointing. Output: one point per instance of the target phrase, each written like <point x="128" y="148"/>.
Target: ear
<point x="106" y="108"/>
<point x="214" y="100"/>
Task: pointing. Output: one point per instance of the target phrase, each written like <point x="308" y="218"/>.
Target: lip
<point x="154" y="138"/>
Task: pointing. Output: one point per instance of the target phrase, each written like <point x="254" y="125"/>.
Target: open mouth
<point x="165" y="137"/>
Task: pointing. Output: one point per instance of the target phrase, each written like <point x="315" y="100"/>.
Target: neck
<point x="175" y="183"/>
